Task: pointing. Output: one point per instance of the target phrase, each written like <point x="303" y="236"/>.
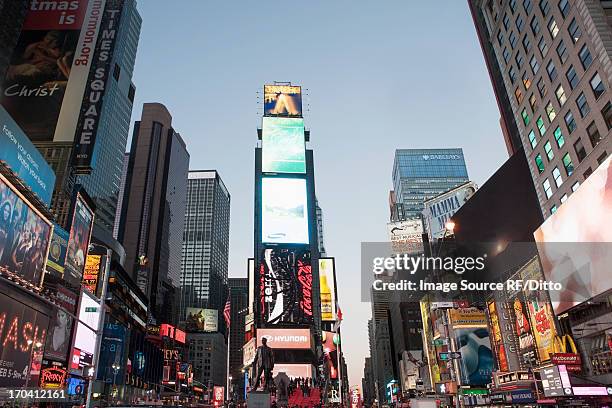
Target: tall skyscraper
<point x="419" y="174"/>
<point x="81" y="130"/>
<point x="153" y="210"/>
<point x="549" y="64"/>
<point x="126" y="161"/>
<point x="205" y="248"/>
<point x="239" y="297"/>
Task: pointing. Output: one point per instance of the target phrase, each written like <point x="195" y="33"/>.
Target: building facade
<point x="153" y="210"/>
<point x="549" y="62"/>
<point x="239" y="297"/>
<point x="12" y="14"/>
<point x="419" y="174"/>
<point x="205" y="248"/>
<point x="207" y="353"/>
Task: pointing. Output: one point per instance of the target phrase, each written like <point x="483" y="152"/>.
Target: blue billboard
<point x="476" y="356"/>
<point x="24" y="159"/>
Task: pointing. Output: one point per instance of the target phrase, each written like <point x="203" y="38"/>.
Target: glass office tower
<point x="420" y="174"/>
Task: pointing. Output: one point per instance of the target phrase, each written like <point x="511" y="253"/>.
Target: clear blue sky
<point x="379" y="76"/>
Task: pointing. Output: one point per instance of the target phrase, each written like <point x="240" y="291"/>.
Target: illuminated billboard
<point x="89" y="311"/>
<point x="330" y="352"/>
<point x="91" y="273"/>
<point x="327" y="285"/>
<point x="285" y="338"/>
<point x="406" y="236"/>
<point x="21" y="324"/>
<point x="476" y="360"/>
<point x="438" y="210"/>
<point x="202" y="320"/>
<point x="497" y="339"/>
<point x="57" y="250"/>
<point x="568" y="242"/>
<point x="284" y="211"/>
<point x="24" y="237"/>
<point x="293" y="370"/>
<point x="283" y="145"/>
<point x="46" y="78"/>
<point x="85" y="339"/>
<point x="78" y="244"/>
<point x="285" y="287"/>
<point x="59" y="338"/>
<point x="282" y="100"/>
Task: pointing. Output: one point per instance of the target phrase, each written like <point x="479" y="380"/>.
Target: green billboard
<point x="283" y="145"/>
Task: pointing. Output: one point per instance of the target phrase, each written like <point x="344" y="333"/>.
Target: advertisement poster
<point x="327" y="285"/>
<point x="203" y="320"/>
<point x="91" y="273"/>
<point x="57" y="250"/>
<point x="218" y="395"/>
<point x="284" y="211"/>
<point x="40" y="67"/>
<point x="283" y="145"/>
<point x="286" y="286"/>
<point x="59" y="336"/>
<point x="112" y="351"/>
<point x="497" y="339"/>
<point x="468" y="316"/>
<point x="540" y="312"/>
<point x="24" y="236"/>
<point x="282" y="100"/>
<point x="476" y="357"/>
<point x="18" y="324"/>
<point x="285" y="338"/>
<point x="573" y="246"/>
<point x="24" y="159"/>
<point x="330" y="352"/>
<point x="406" y="237"/>
<point x="78" y="244"/>
<point x="438" y="210"/>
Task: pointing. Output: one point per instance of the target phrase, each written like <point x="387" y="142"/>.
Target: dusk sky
<point x="378" y="76"/>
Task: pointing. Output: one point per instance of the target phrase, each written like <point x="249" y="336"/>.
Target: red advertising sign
<point x="565" y="358"/>
<point x="179" y="336"/>
<point x="218" y="395"/>
<point x="52" y="377"/>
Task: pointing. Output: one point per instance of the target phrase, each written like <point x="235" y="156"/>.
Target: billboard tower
<point x="285" y="280"/>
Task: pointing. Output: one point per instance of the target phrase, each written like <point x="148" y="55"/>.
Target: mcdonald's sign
<point x="562" y="355"/>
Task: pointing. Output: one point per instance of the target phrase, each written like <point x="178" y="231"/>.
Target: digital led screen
<point x="59" y="338"/>
<point x="85" y="339"/>
<point x="282" y="100"/>
<point x="284" y="211"/>
<point x="327" y="285"/>
<point x="293" y="370"/>
<point x="476" y="356"/>
<point x="285" y="286"/>
<point x="285" y="338"/>
<point x="91" y="273"/>
<point x="24" y="236"/>
<point x="89" y="311"/>
<point x="283" y="145"/>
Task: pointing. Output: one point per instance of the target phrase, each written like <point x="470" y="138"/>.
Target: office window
<point x="552" y="70"/>
<point x="559" y="137"/>
<point x="564" y="7"/>
<point x="525" y="117"/>
<point x="549" y="151"/>
<point x="547" y="188"/>
<point x="500" y="38"/>
<point x="535" y="26"/>
<point x="541" y="87"/>
<point x="570" y="122"/>
<point x="532" y="139"/>
<point x="506" y="21"/>
<point x="585" y="57"/>
<point x="532" y="102"/>
<point x="597" y="86"/>
<point x="550" y="112"/>
<point x="527" y="6"/>
<point x="526" y="44"/>
<point x="602" y="157"/>
<point x="563" y="198"/>
<point x="606" y="112"/>
<point x="571" y="76"/>
<point x="512" y="74"/>
<point x="544" y="7"/>
<point x="560" y="93"/>
<point x="526" y="80"/>
<point x="535" y="65"/>
<point x="567" y="163"/>
<point x="543" y="46"/>
<point x="582" y="104"/>
<point x="519" y="95"/>
<point x="541" y="127"/>
<point x="557" y="176"/>
<point x="587" y="173"/>
<point x="512" y="39"/>
<point x="553" y="28"/>
<point x="553" y="209"/>
<point x="539" y="163"/>
<point x="579" y="149"/>
<point x="574" y="31"/>
<point x="520" y="23"/>
<point x="575" y="186"/>
<point x="519" y="60"/>
<point x="562" y="52"/>
<point x="506" y="55"/>
<point x="593" y="133"/>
